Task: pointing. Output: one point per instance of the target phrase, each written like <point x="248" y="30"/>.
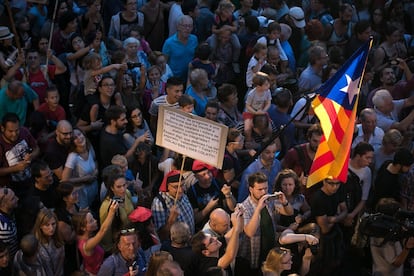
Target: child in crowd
<point x="135" y="32"/>
<point x="186" y="103"/>
<point x="257" y="103"/>
<point x="272" y="39"/>
<point x="51" y="108"/>
<point x="154" y="86"/>
<point x="158" y="58"/>
<point x="224" y="19"/>
<point x="201" y="60"/>
<point x="256" y="63"/>
<point x="92" y="64"/>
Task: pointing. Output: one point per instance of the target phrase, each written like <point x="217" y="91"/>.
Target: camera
<point x="391" y="228"/>
<point x="118" y="199"/>
<point x="274" y="196"/>
<point x="132" y="65"/>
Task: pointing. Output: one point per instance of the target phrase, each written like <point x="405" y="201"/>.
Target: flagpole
<point x="309" y="96"/>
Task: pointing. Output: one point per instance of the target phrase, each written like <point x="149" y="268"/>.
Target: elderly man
<point x="128" y="258"/>
<point x="259" y="224"/>
<point x="180" y="47"/>
<point x="388" y="111"/>
<point x="57" y="149"/>
<point x="367" y="130"/>
<point x="171" y="205"/>
<point x="8" y="235"/>
<point x="16" y="98"/>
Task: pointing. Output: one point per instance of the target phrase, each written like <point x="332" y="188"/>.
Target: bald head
<point x="29" y="245"/>
<point x="64" y="132"/>
<point x="219" y="221"/>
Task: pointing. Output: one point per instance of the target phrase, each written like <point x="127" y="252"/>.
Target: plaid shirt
<point x="250" y="247"/>
<point x="160" y="215"/>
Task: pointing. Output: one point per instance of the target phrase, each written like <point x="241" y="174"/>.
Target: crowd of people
<point x="86" y="191"/>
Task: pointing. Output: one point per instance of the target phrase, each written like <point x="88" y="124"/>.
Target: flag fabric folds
<point x="335" y="106"/>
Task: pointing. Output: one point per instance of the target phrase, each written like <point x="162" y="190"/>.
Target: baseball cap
<point x="297" y="16"/>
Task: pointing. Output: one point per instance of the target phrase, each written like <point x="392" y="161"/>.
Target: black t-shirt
<point x="49" y="197"/>
<point x="56" y="154"/>
<point x="387" y="184"/>
<point x="110" y="145"/>
<point x="199" y="197"/>
<point x="323" y="204"/>
<point x="184" y="256"/>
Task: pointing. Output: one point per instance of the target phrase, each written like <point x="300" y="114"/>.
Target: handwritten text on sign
<point x="192" y="136"/>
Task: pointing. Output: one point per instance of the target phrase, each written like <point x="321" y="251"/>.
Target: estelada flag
<point x="335" y="105"/>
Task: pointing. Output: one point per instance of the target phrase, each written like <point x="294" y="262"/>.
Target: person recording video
<point x="389" y="255"/>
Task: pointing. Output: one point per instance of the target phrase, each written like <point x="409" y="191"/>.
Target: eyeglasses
<point x="188" y="26"/>
<point x="127" y="231"/>
<point x="210" y="241"/>
<point x="175" y="187"/>
<point x="136" y="116"/>
<point x="332" y="182"/>
<point x="66" y="133"/>
<point x="283" y="251"/>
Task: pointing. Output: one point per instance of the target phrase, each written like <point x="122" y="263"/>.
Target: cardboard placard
<point x="191" y="135"/>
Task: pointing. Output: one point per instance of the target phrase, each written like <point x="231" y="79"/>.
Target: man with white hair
<point x="367" y="130"/>
<point x="180" y="47"/>
<point x="388" y="111"/>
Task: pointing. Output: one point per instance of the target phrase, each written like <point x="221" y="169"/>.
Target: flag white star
<point x="351" y="88"/>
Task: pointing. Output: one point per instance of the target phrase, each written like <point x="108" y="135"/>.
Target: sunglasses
<point x="127" y="231"/>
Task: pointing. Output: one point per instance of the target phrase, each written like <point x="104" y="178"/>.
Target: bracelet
<point x="305" y="238"/>
<point x="229" y="195"/>
<point x="285" y="204"/>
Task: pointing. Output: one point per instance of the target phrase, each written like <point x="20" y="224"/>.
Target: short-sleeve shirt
<point x="11" y="154"/>
<point x="18" y="106"/>
<point x="323" y="204"/>
<point x="117" y="146"/>
<point x="258" y="101"/>
<point x="57" y="115"/>
<point x="385" y="121"/>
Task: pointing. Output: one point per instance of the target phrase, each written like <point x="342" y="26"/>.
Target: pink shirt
<point x="93" y="262"/>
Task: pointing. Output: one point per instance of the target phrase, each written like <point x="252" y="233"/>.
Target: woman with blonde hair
<point x="278" y="260"/>
<point x="51" y="249"/>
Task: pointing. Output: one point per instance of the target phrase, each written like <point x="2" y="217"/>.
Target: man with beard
<point x="259" y="214"/>
<point x="311" y="77"/>
<point x="111" y="140"/>
<point x="57" y="149"/>
<point x="340" y="30"/>
<point x="17" y="149"/>
<point x="399" y="90"/>
<point x="267" y="164"/>
<point x="300" y="157"/>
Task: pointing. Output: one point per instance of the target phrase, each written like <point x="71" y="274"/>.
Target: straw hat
<point x="5" y="33"/>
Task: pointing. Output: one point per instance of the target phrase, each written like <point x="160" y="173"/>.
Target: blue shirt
<point x="18" y="106"/>
<point x="257" y="166"/>
<point x="179" y="54"/>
